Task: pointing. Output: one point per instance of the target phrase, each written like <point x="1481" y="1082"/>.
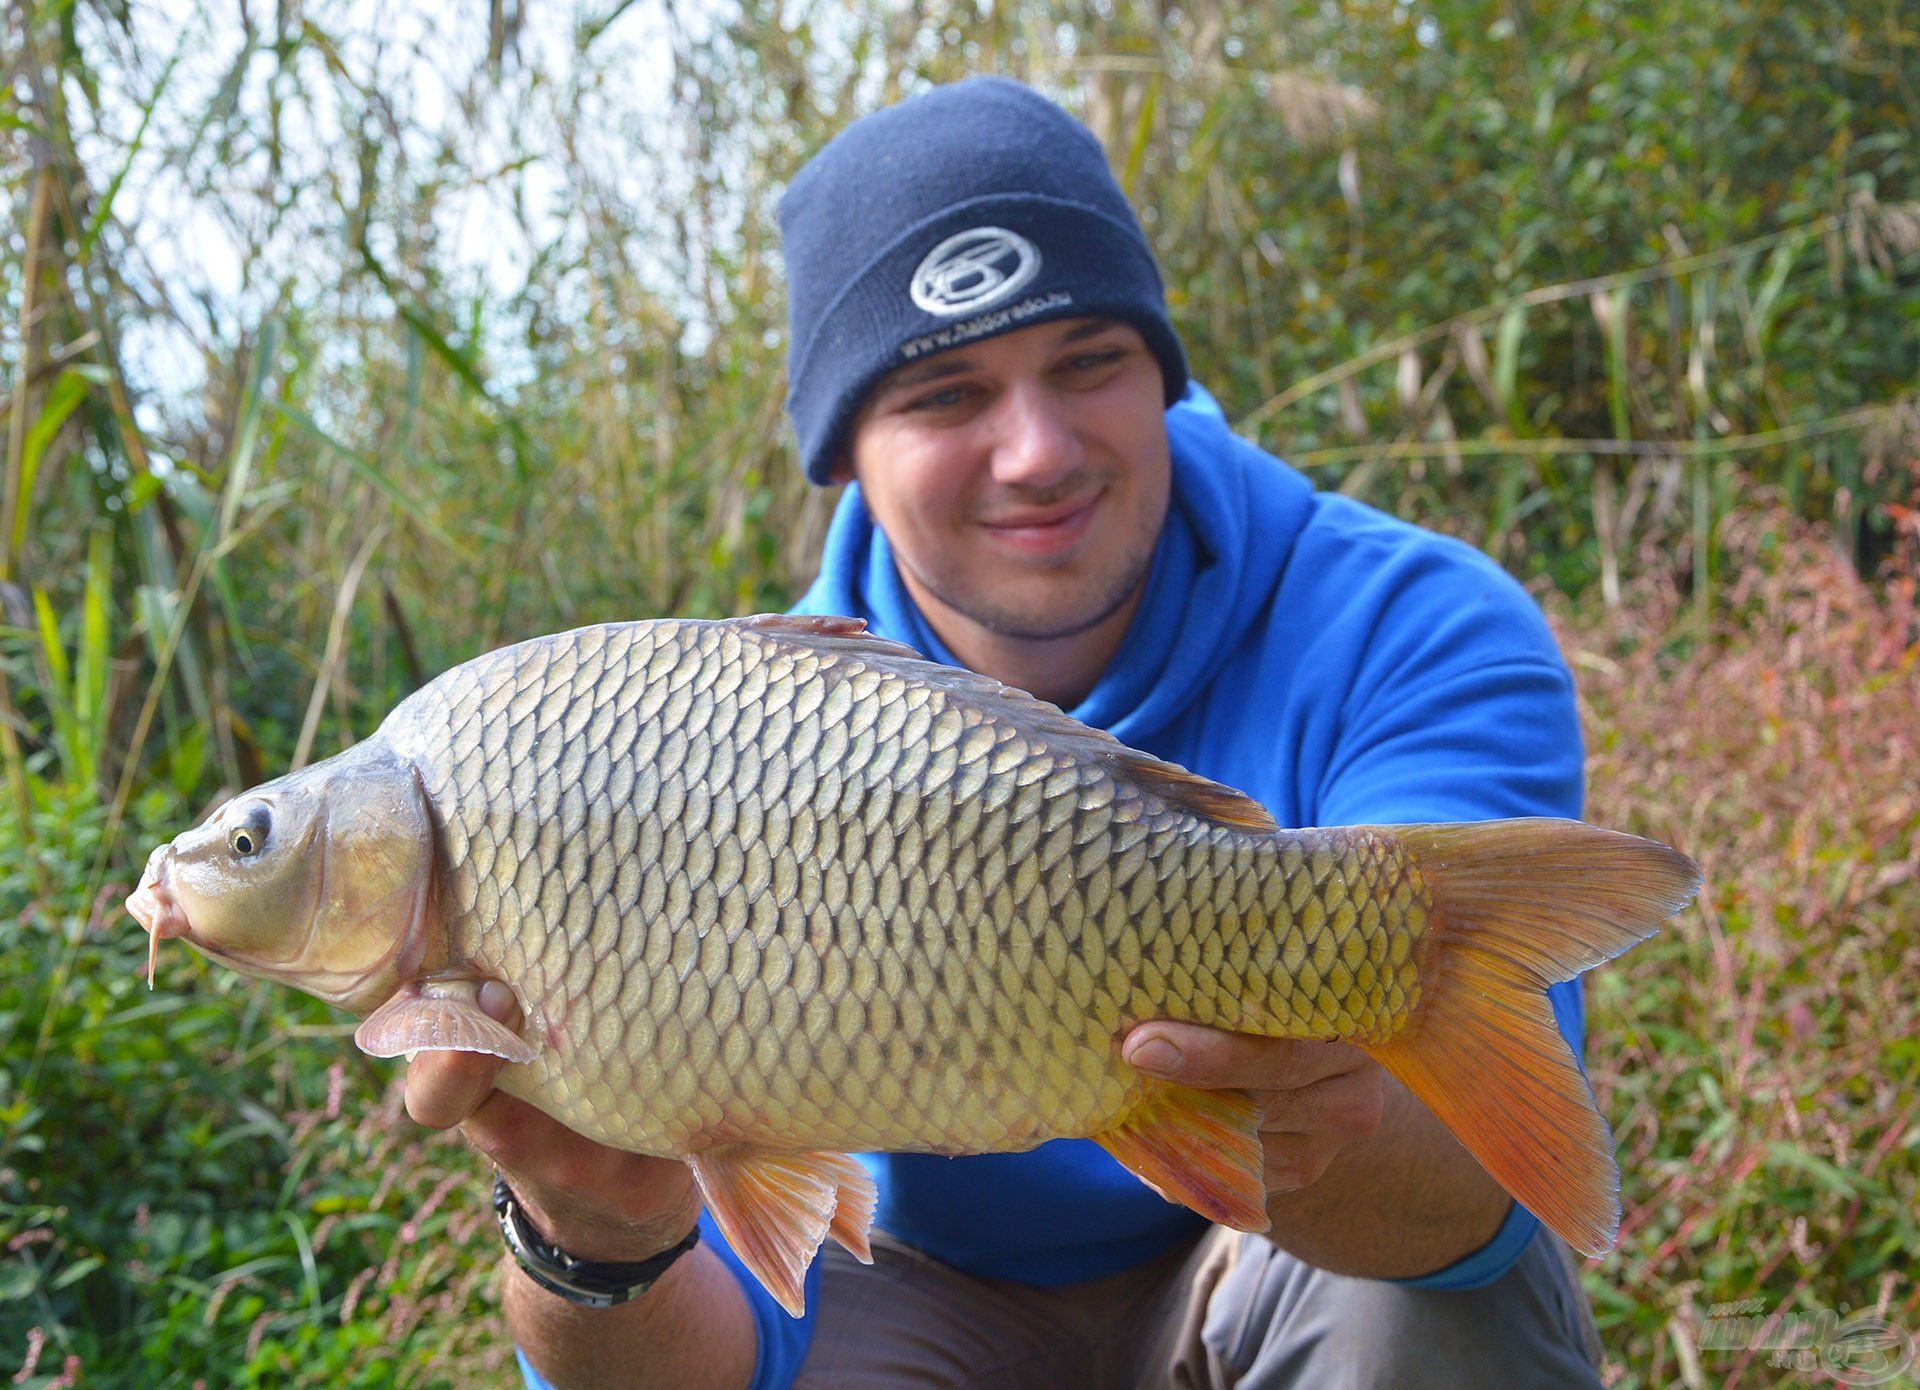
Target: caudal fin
<point x="1520" y="905"/>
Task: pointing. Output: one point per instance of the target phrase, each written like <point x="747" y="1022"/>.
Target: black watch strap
<point x="592" y="1283"/>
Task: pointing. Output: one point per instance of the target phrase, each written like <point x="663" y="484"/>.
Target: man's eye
<point x="1091" y="361"/>
<point x="941" y="400"/>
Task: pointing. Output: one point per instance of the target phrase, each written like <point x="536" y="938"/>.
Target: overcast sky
<point x="423" y="56"/>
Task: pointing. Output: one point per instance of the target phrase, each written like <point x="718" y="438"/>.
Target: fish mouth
<point x="154" y="906"/>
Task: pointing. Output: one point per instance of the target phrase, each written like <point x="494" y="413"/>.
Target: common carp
<point x="772" y="889"/>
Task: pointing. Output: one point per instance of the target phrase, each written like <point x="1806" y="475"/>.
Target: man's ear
<point x="842" y="470"/>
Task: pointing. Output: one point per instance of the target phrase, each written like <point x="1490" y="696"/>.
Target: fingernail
<point x="496" y="1001"/>
<point x="1155" y="1055"/>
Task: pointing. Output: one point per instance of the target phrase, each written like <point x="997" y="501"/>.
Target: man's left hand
<point x="1316" y="1098"/>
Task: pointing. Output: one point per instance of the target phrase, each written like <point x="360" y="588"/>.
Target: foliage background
<point x="343" y="341"/>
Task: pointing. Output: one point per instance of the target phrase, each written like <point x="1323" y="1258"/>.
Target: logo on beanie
<point x="973" y="269"/>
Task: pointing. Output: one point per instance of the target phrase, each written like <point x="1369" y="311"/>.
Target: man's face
<point x="1021" y="480"/>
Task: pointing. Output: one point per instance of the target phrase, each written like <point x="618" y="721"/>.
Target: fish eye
<point x="250" y="836"/>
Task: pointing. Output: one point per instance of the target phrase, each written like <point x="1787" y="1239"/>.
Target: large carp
<point x="772" y="889"/>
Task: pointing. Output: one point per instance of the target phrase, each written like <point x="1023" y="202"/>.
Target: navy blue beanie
<point x="964" y="212"/>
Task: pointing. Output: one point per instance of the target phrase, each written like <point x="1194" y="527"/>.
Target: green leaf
<point x="246" y="432"/>
<point x="75" y="1272"/>
<point x="1767" y="302"/>
<point x="1142" y="137"/>
<point x="69" y="389"/>
<point x="1506" y="366"/>
<point x="1826" y="1175"/>
<point x="18" y="1280"/>
<point x="462" y="363"/>
<point x="90" y="674"/>
<point x="308" y="1269"/>
<point x="1610" y="307"/>
<point x="186" y="759"/>
<point x="103" y="206"/>
<point x="370" y="471"/>
<point x="58" y="690"/>
<point x="141" y="489"/>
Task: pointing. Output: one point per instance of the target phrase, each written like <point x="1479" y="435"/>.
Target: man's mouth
<point x="154" y="906"/>
<point x="1044" y="530"/>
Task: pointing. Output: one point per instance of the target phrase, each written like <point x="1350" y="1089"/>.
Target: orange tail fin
<point x="1520" y="905"/>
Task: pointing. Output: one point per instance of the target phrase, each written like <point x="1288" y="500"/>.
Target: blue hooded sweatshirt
<point x="1338" y="666"/>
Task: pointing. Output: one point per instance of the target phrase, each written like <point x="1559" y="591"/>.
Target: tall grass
<point x="1760" y="1057"/>
<point x="338" y="351"/>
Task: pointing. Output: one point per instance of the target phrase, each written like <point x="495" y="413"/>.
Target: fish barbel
<point x="772" y="889"/>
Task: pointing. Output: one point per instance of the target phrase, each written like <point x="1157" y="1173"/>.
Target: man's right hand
<point x="691" y="1331"/>
<point x="593" y="1201"/>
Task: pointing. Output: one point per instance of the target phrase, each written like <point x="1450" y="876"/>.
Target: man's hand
<point x="593" y="1201"/>
<point x="1316" y="1098"/>
<point x="1361" y="1178"/>
<point x="691" y="1331"/>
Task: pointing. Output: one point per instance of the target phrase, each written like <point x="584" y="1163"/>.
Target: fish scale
<point x="771" y="889"/>
<point x="942" y="804"/>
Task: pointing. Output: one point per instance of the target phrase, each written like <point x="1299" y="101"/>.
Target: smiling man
<point x="980" y="346"/>
<point x="1022" y="483"/>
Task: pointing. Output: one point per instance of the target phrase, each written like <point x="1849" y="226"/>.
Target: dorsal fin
<point x="825" y="632"/>
<point x="1169" y="782"/>
<point x="1207" y="799"/>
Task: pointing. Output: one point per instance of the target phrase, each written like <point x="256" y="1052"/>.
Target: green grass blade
<point x="246" y="434"/>
<point x="1142" y="137"/>
<point x="239" y="477"/>
<point x="310" y="1272"/>
<point x="57" y="689"/>
<point x="1766" y="303"/>
<point x="1506" y="366"/>
<point x="1610" y="307"/>
<point x="90" y="674"/>
<point x="103" y="207"/>
<point x="460" y="363"/>
<point x="464" y="366"/>
<point x="69" y="390"/>
<point x="371" y="472"/>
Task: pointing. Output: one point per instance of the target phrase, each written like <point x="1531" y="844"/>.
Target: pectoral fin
<point x="438" y="1016"/>
<point x="776" y="1208"/>
<point x="1198" y="1148"/>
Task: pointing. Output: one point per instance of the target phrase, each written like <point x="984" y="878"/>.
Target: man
<point x="979" y="342"/>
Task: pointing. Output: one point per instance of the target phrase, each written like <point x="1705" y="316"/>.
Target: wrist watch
<point x="591" y="1283"/>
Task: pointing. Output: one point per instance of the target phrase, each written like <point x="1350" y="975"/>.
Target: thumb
<point x="1155" y="1048"/>
<point x="444" y="1088"/>
<point x="1195" y="1055"/>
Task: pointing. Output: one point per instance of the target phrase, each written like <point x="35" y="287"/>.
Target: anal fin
<point x="1198" y="1148"/>
<point x="776" y="1208"/>
<point x="438" y="1016"/>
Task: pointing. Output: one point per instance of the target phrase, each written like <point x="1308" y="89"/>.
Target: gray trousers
<point x="1227" y="1311"/>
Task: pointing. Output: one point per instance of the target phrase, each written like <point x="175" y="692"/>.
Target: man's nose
<point x="1037" y="444"/>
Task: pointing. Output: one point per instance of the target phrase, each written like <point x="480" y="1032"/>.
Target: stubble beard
<point x="1036" y="623"/>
